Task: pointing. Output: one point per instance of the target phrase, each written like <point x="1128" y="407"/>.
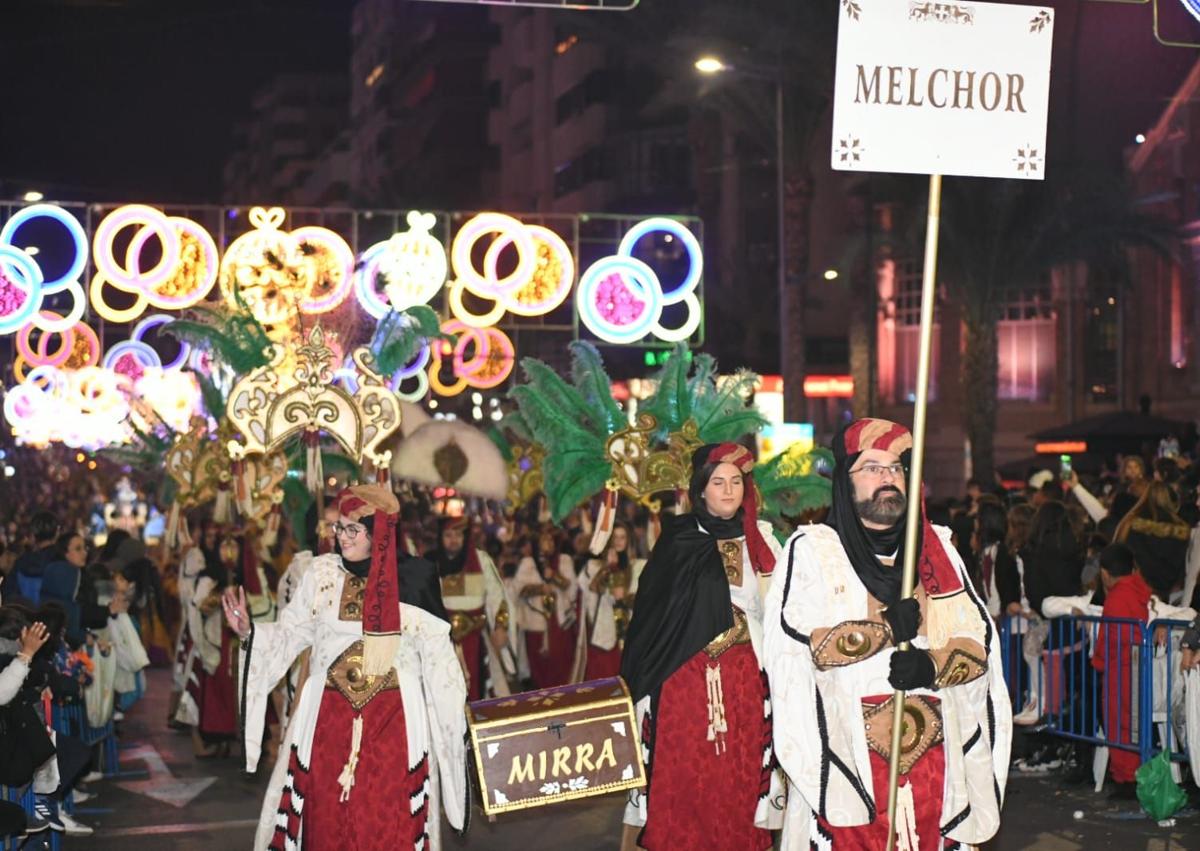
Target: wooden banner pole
<point x="912" y="528"/>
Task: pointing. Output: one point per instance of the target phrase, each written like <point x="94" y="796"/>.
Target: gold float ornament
<point x="271" y="405"/>
<point x="639" y="471"/>
<point x="192" y="463"/>
<point x="525" y="477"/>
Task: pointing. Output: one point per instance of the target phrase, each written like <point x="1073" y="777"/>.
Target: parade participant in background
<point x="692" y="662"/>
<point x="215" y="695"/>
<point x="369" y="755"/>
<point x="834" y="617"/>
<point x="191" y="565"/>
<point x="545" y="584"/>
<point x="1126" y="596"/>
<point x="479" y="609"/>
<point x="30" y="567"/>
<point x="609" y="586"/>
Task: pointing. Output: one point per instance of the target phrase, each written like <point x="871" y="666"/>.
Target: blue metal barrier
<point x="1075" y="698"/>
<point x="1162" y="640"/>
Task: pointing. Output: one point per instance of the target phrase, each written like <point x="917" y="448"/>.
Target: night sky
<point x="137" y="100"/>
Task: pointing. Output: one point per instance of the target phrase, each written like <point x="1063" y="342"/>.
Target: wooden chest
<point x="558" y="744"/>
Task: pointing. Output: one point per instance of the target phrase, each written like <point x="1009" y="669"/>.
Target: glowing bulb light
<point x="412" y="264"/>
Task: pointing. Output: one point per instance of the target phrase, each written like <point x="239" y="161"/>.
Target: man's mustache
<point x="888" y="489"/>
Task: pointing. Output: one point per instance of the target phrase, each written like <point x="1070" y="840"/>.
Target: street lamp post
<point x="711" y="65"/>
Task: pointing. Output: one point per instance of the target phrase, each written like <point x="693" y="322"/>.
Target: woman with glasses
<point x="376" y="746"/>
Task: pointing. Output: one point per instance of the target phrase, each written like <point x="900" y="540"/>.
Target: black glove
<point x="912" y="669"/>
<point x="903" y="616"/>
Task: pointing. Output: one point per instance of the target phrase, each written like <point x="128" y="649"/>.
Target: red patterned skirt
<point x="926" y="778"/>
<point x="388" y="807"/>
<point x="218" y="694"/>
<point x="553" y="667"/>
<point x="700" y="799"/>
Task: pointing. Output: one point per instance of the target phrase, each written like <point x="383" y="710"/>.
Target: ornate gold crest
<point x="271" y="405"/>
<point x="525" y="477"/>
<point x="639" y="472"/>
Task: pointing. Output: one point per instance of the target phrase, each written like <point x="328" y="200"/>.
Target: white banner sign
<point x="942" y="88"/>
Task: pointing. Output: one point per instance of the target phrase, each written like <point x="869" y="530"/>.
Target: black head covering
<point x="683" y="599"/>
<point x="864" y="546"/>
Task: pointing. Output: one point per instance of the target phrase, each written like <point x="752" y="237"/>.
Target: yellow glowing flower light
<point x="538" y="283"/>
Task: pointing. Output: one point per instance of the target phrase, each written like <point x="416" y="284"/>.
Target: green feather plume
<point x="593" y="383"/>
<point x="233" y="337"/>
<point x="400" y="335"/>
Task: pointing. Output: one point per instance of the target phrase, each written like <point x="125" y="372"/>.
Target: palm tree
<point x="999" y="236"/>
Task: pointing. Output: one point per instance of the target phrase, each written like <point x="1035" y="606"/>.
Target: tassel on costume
<point x="906" y="820"/>
<point x="270" y="535"/>
<point x="241" y="487"/>
<point x="346" y="778"/>
<point x="379" y="651"/>
<point x="717" y="725"/>
<point x="314" y="471"/>
<point x="605" y="519"/>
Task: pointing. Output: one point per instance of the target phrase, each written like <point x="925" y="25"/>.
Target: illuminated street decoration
<point x="411" y="266"/>
<point x="183" y="275"/>
<point x="278" y="274"/>
<point x="83" y="408"/>
<point x="621" y="299"/>
<point x="158" y="320"/>
<point x="20" y="288"/>
<point x="78" y="346"/>
<point x="482" y="358"/>
<point x="74" y="229"/>
<point x="539" y="282"/>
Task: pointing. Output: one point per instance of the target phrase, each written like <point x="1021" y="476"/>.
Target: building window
<point x="373" y="77"/>
<point x="1101" y="343"/>
<point x="592" y="89"/>
<point x="1026" y="351"/>
<point x="590" y="166"/>
<point x="906" y="302"/>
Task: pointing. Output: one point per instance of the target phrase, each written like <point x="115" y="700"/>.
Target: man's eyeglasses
<point x="876" y="471"/>
<point x="350" y="530"/>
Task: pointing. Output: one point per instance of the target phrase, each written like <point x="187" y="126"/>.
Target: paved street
<point x="130" y="813"/>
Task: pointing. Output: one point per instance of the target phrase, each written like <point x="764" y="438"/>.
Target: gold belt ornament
<point x="739" y="633"/>
<point x="922" y="729"/>
<point x="463" y="624"/>
<point x="347" y="676"/>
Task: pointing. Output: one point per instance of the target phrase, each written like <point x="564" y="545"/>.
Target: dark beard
<point x="886" y="506"/>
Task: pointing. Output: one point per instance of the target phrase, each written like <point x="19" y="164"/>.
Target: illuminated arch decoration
<point x="169" y="396"/>
<point x="481" y="358"/>
<point x="84" y="408"/>
<point x="278" y="273"/>
<point x="183" y="275"/>
<point x="620" y="299"/>
<point x="269" y="406"/>
<point x="79" y="346"/>
<point x="70" y="224"/>
<point x="540" y="281"/>
<point x="20" y="289"/>
<point x="411" y="266"/>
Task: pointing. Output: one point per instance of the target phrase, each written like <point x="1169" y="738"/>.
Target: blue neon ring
<point x="633" y="272"/>
<point x="690" y="244"/>
<point x="155" y="320"/>
<point x="149" y="357"/>
<point x="52" y="211"/>
<point x="25" y="273"/>
<point x="364" y="284"/>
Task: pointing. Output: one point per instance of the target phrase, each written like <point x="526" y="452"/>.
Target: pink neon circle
<point x="484" y="339"/>
<point x="131" y="277"/>
<point x="41" y="357"/>
<point x="507" y="227"/>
